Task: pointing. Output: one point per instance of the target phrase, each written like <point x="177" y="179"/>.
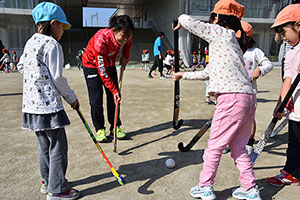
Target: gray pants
<point x="52" y="149"/>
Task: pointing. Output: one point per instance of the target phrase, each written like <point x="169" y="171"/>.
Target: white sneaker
<point x="205" y="193"/>
<point x="251" y="194"/>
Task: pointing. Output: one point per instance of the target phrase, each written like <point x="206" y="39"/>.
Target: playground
<point x="146" y="114"/>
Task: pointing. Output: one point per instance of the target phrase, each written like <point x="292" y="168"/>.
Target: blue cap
<point x="47" y="11"/>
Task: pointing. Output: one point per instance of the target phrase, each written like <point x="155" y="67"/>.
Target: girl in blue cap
<point x="43" y="111"/>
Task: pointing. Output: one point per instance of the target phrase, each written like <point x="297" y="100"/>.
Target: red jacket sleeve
<point x="103" y="63"/>
<point x="126" y="49"/>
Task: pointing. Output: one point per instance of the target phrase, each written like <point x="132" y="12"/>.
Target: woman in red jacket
<point x="99" y="70"/>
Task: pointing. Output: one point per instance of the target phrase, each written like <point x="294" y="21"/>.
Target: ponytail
<point x="122" y="22"/>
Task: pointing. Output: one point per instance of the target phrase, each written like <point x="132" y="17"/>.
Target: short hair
<point x="161" y="34"/>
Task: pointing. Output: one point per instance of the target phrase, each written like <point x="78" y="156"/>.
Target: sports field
<point x="146" y="114"/>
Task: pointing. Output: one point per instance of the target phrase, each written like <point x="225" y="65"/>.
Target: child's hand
<point x="276" y="113"/>
<point x="177" y="27"/>
<point x="256" y="73"/>
<point x="177" y="76"/>
<point x="75" y="104"/>
<point x="117" y="98"/>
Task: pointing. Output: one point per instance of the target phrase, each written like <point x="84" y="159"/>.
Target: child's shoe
<point x="205" y="193"/>
<point x="283" y="179"/>
<point x="251" y="194"/>
<point x="101" y="135"/>
<point x="43" y="188"/>
<point x="68" y="195"/>
<point x="120" y="133"/>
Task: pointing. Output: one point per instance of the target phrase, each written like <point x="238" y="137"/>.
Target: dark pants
<point x="157" y="63"/>
<point x="52" y="148"/>
<point x="292" y="164"/>
<point x="95" y="89"/>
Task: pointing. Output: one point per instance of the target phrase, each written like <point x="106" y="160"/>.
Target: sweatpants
<point x="95" y="90"/>
<point x="231" y="125"/>
<point x="52" y="149"/>
<point x="292" y="165"/>
<point x="157" y="63"/>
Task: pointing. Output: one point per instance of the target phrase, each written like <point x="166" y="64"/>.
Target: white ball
<point x="170" y="163"/>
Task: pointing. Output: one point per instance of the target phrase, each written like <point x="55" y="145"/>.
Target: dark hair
<point x="279" y="29"/>
<point x="122" y="22"/>
<point x="232" y="22"/>
<point x="44" y="28"/>
<point x="251" y="43"/>
<point x="161" y="34"/>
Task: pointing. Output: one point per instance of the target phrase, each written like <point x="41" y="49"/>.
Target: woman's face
<point x="121" y="37"/>
<point x="290" y="34"/>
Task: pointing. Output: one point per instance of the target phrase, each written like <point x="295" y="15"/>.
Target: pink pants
<point x="231" y="126"/>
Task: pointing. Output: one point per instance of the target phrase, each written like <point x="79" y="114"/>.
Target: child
<point x="42" y="65"/>
<point x="79" y="58"/>
<point x="168" y="62"/>
<point x="14" y="60"/>
<point x="287" y="23"/>
<point x="5" y="60"/>
<point x="234" y="113"/>
<point x="99" y="67"/>
<point x="147" y="59"/>
<point x="143" y="60"/>
<point x="194" y="61"/>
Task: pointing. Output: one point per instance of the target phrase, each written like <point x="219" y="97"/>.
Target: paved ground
<point x="146" y="112"/>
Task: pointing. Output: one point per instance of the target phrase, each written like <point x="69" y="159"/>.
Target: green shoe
<point x="101" y="135"/>
<point x="120" y="133"/>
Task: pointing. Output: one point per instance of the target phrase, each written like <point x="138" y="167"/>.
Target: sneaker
<point x="43" y="188"/>
<point x="205" y="193"/>
<point x="101" y="135"/>
<point x="70" y="195"/>
<point x="150" y="76"/>
<point x="251" y="194"/>
<point x="120" y="133"/>
<point x="162" y="77"/>
<point x="282" y="179"/>
<point x="226" y="150"/>
<point x="249" y="149"/>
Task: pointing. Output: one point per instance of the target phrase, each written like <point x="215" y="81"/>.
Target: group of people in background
<point x="7" y="63"/>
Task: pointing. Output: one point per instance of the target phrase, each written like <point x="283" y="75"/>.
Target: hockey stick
<point x="115" y="126"/>
<point x="195" y="138"/>
<point x="176" y="124"/>
<point x="115" y="173"/>
<point x="263" y="140"/>
<point x="279" y="127"/>
<point x="117" y="110"/>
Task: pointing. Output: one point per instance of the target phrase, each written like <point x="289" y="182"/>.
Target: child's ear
<point x="52" y="22"/>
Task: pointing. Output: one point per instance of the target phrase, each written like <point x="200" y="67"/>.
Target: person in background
<point x="158" y="56"/>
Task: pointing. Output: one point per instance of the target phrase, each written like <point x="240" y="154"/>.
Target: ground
<point x="146" y="113"/>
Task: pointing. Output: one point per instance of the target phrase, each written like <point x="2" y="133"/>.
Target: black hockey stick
<point x="195" y="138"/>
<point x="176" y="124"/>
<point x="263" y="140"/>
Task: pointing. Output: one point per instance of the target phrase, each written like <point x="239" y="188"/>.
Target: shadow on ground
<point x="188" y="124"/>
<point x="147" y="171"/>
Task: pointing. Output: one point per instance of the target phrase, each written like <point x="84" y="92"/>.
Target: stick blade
<point x="177" y="125"/>
<point x="182" y="148"/>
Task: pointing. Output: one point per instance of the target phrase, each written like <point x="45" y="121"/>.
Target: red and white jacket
<point x="101" y="53"/>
